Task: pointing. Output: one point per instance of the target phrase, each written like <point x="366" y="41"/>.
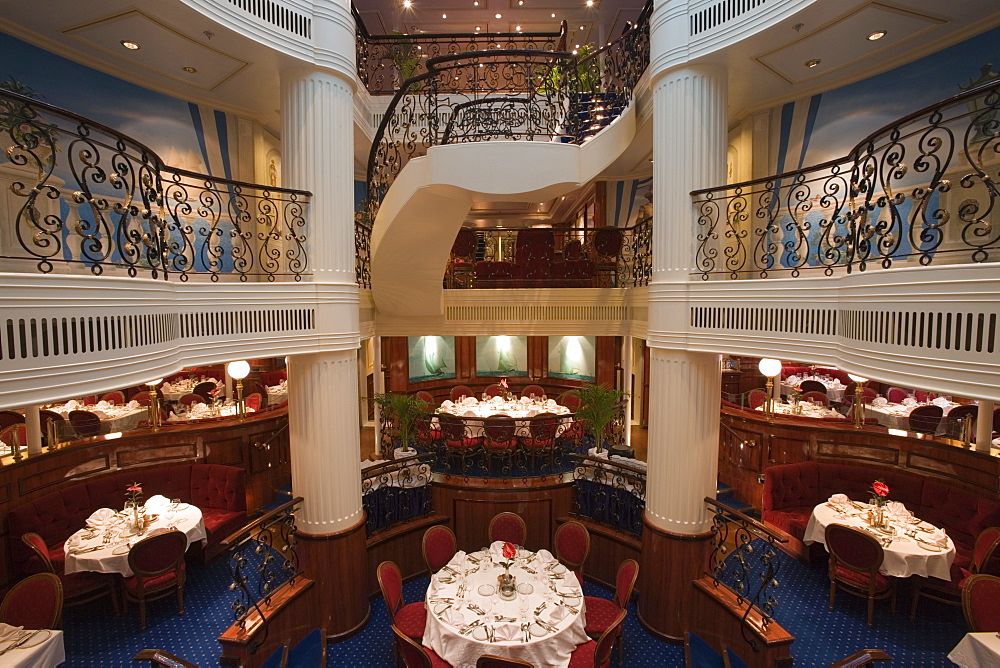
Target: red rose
<point x="134" y="488"/>
<point x="880" y="488"/>
<point x="509" y="551"/>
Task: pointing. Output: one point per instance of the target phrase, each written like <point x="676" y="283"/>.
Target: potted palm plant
<point x="598" y="405"/>
<point x="403" y="409"/>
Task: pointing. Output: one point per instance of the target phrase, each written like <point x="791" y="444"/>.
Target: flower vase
<point x="135" y="518"/>
<point x="507" y="586"/>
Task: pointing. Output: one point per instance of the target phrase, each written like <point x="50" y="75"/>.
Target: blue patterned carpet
<point x="94" y="637"/>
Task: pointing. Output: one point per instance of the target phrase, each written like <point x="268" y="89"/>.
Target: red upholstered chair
<point x="533" y="390"/>
<point x="920" y="396"/>
<point x="117" y="397"/>
<point x="408" y="618"/>
<point x="812" y="386"/>
<point x="855" y="558"/>
<point x="191" y="399"/>
<point x="608" y="244"/>
<point x="602" y="614"/>
<point x="490" y="661"/>
<point x="158" y="570"/>
<point x="598" y="653"/>
<point x="141" y="398"/>
<point x="508" y="527"/>
<point x="570" y="399"/>
<point x="867" y="394"/>
<point x="8" y="418"/>
<point x="414" y="654"/>
<point x="956" y="416"/>
<point x="59" y="422"/>
<point x="816" y="397"/>
<point x="459" y="392"/>
<point x="34" y="603"/>
<point x="85" y="423"/>
<point x="78" y="588"/>
<point x="981" y="603"/>
<point x="500" y="441"/>
<point x="426" y="435"/>
<point x="438" y="546"/>
<point x="89" y="400"/>
<point x="896" y="395"/>
<point x="7" y="435"/>
<point x="756" y="398"/>
<point x="493" y="390"/>
<point x="985" y="561"/>
<point x="205" y="390"/>
<point x="426" y="397"/>
<point x="254" y="401"/>
<point x="925" y="419"/>
<point x="572" y="544"/>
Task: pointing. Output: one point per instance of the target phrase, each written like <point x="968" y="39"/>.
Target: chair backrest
<point x="533" y="390"/>
<point x="41" y="550"/>
<point x="602" y="653"/>
<point x="85" y="423"/>
<point x="8" y="418"/>
<point x="957" y="415"/>
<point x="572" y="543"/>
<point x="205" y="390"/>
<point x="413" y="654"/>
<point x="141" y="398"/>
<point x="508" y="527"/>
<point x="628" y="573"/>
<point x="7" y="435"/>
<point x="570" y="399"/>
<point x="853" y="549"/>
<point x="920" y="395"/>
<point x="896" y="394"/>
<point x="117" y="397"/>
<point x="608" y="241"/>
<point x="426" y="397"/>
<point x="868" y="394"/>
<point x="253" y="401"/>
<point x="34" y="603"/>
<point x="158" y="554"/>
<point x="756" y="398"/>
<point x="452" y="427"/>
<point x="491" y="661"/>
<point x="573" y="250"/>
<point x="391" y="583"/>
<point x="460" y="391"/>
<point x="493" y="390"/>
<point x="191" y="399"/>
<point x="986" y="552"/>
<point x="812" y="386"/>
<point x="465" y="244"/>
<point x="439" y="545"/>
<point x="925" y="419"/>
<point x="499" y="430"/>
<point x="816" y="397"/>
<point x="543" y="426"/>
<point x="981" y="603"/>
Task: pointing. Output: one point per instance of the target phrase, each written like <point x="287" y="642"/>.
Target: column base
<point x="338" y="563"/>
<point x="670" y="563"/>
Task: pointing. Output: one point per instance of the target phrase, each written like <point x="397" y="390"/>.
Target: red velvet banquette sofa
<point x="791" y="491"/>
<point x="219" y="492"/>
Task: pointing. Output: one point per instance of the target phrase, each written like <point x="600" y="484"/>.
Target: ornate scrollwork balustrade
<point x="923" y="189"/>
<point x="396" y="491"/>
<point x="610" y="491"/>
<point x="746" y="560"/>
<point x="262" y="558"/>
<point x="87" y="195"/>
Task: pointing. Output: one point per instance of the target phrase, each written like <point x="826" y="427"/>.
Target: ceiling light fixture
<point x="131" y="46"/>
<point x="407" y="4"/>
<point x="475" y="3"/>
<point x="553" y="14"/>
<point x="189" y="69"/>
<point x="813" y="63"/>
<point x="878" y="34"/>
<point x="583" y="28"/>
<point x="498" y="15"/>
<point x="520" y="2"/>
<point x="590" y="3"/>
<point x="477" y="28"/>
<point x="518" y="28"/>
<point x="444" y="16"/>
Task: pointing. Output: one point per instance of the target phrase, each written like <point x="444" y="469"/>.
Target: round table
<point x="112" y="557"/>
<point x="554" y="617"/>
<point x="521" y="411"/>
<point x="904" y="556"/>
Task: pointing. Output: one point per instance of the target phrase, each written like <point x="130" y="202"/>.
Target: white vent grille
<point x="971" y="332"/>
<point x="228" y="323"/>
<point x="537" y="313"/>
<point x="787" y="320"/>
<point x="25" y="338"/>
<point x="277" y="15"/>
<point x="719" y="13"/>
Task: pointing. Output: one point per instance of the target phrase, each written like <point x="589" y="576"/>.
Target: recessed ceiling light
<point x="813" y="63"/>
<point x="553" y="14"/>
<point x="477" y="28"/>
<point x="878" y="34"/>
<point x="582" y="28"/>
<point x="590" y="3"/>
<point x="518" y="28"/>
<point x="188" y="68"/>
<point x="498" y="15"/>
<point x="520" y="2"/>
<point x="444" y="16"/>
<point x="131" y="46"/>
<point x="475" y="3"/>
<point x="407" y="4"/>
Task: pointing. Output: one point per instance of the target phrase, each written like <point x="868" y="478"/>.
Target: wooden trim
<point x="336" y="534"/>
<point x="686" y="537"/>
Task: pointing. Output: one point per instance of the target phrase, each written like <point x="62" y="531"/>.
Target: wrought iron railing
<point x="87" y="195"/>
<point x="920" y="190"/>
<point x="610" y="491"/>
<point x="396" y="491"/>
<point x="607" y="257"/>
<point x="745" y="559"/>
<point x="262" y="558"/>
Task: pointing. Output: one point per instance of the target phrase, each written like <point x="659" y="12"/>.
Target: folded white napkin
<point x="457" y="560"/>
<point x="103" y="404"/>
<point x="132" y="405"/>
<point x="8" y="632"/>
<point x="469" y="401"/>
<point x="938" y="537"/>
<point x="508" y="631"/>
<point x="72" y="405"/>
<point x="840" y="498"/>
<point x="897" y="509"/>
<point x="909" y="401"/>
<point x="550" y="402"/>
<point x="545" y="557"/>
<point x="879" y="401"/>
<point x="100" y="518"/>
<point x="557" y="614"/>
<point x="525" y="400"/>
<point x="793" y="380"/>
<point x="157" y="501"/>
<point x="941" y="401"/>
<point x="453" y="616"/>
<point x="166" y="387"/>
<point x="447" y="403"/>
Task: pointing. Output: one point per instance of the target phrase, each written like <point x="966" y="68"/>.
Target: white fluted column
<point x="984" y="426"/>
<point x="627" y="381"/>
<point x="33" y="429"/>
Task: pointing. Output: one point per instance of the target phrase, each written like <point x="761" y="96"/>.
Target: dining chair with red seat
<point x="925" y="419"/>
<point x="408" y="619"/>
<point x="597" y="653"/>
<point x="8" y="418"/>
<point x="855" y="558"/>
<point x="756" y="398"/>
<point x="190" y="399"/>
<point x="508" y="527"/>
<point x="85" y="423"/>
<point x="533" y="391"/>
<point x="540" y="441"/>
<point x="253" y="401"/>
<point x="78" y="588"/>
<point x="812" y="386"/>
<point x="920" y="395"/>
<point x="602" y="613"/>
<point x="956" y="417"/>
<point x="491" y="661"/>
<point x="426" y="397"/>
<point x="415" y="655"/>
<point x="896" y="395"/>
<point x="981" y="604"/>
<point x="15" y="432"/>
<point x="438" y="546"/>
<point x="493" y="390"/>
<point x="458" y="442"/>
<point x="34" y="603"/>
<point x="117" y="397"/>
<point x="58" y="421"/>
<point x="572" y="545"/>
<point x="816" y="397"/>
<point x="89" y="400"/>
<point x="205" y="390"/>
<point x="424" y="432"/>
<point x="500" y="441"/>
<point x="141" y="398"/>
<point x="608" y="245"/>
<point x="570" y="399"/>
<point x="985" y="561"/>
<point x="158" y="570"/>
<point x="459" y="392"/>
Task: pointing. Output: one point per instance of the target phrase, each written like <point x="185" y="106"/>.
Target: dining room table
<point x="897" y="415"/>
<point x="977" y="650"/>
<point x="31" y="648"/>
<point x="520" y="409"/>
<point x="541" y="622"/>
<point x="801" y="408"/>
<point x="277" y="394"/>
<point x="835" y="388"/>
<point x="200" y="411"/>
<point x="911" y="545"/>
<point x="177" y="388"/>
<point x="103" y="544"/>
<point x="113" y="417"/>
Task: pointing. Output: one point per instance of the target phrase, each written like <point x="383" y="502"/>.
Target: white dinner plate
<point x="486" y="590"/>
<point x="121" y="549"/>
<point x="930" y="547"/>
<point x="537" y="630"/>
<point x="558" y="569"/>
<point x="525" y="588"/>
<point x="479" y="633"/>
<point x="438" y="609"/>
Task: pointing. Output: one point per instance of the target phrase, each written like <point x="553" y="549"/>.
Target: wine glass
<point x="522" y="604"/>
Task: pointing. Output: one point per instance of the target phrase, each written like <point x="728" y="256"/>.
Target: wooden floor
<point x="639" y="435"/>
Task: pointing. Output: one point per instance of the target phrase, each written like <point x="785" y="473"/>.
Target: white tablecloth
<point x="809" y="410"/>
<point x="897" y="416"/>
<point x="903" y="557"/>
<point x="178" y="388"/>
<point x="977" y="649"/>
<point x="547" y="649"/>
<point x="834" y="388"/>
<point x="113" y="558"/>
<point x="113" y="418"/>
<point x="277" y="394"/>
<point x="43" y="650"/>
<point x="202" y="411"/>
<point x="519" y="410"/>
